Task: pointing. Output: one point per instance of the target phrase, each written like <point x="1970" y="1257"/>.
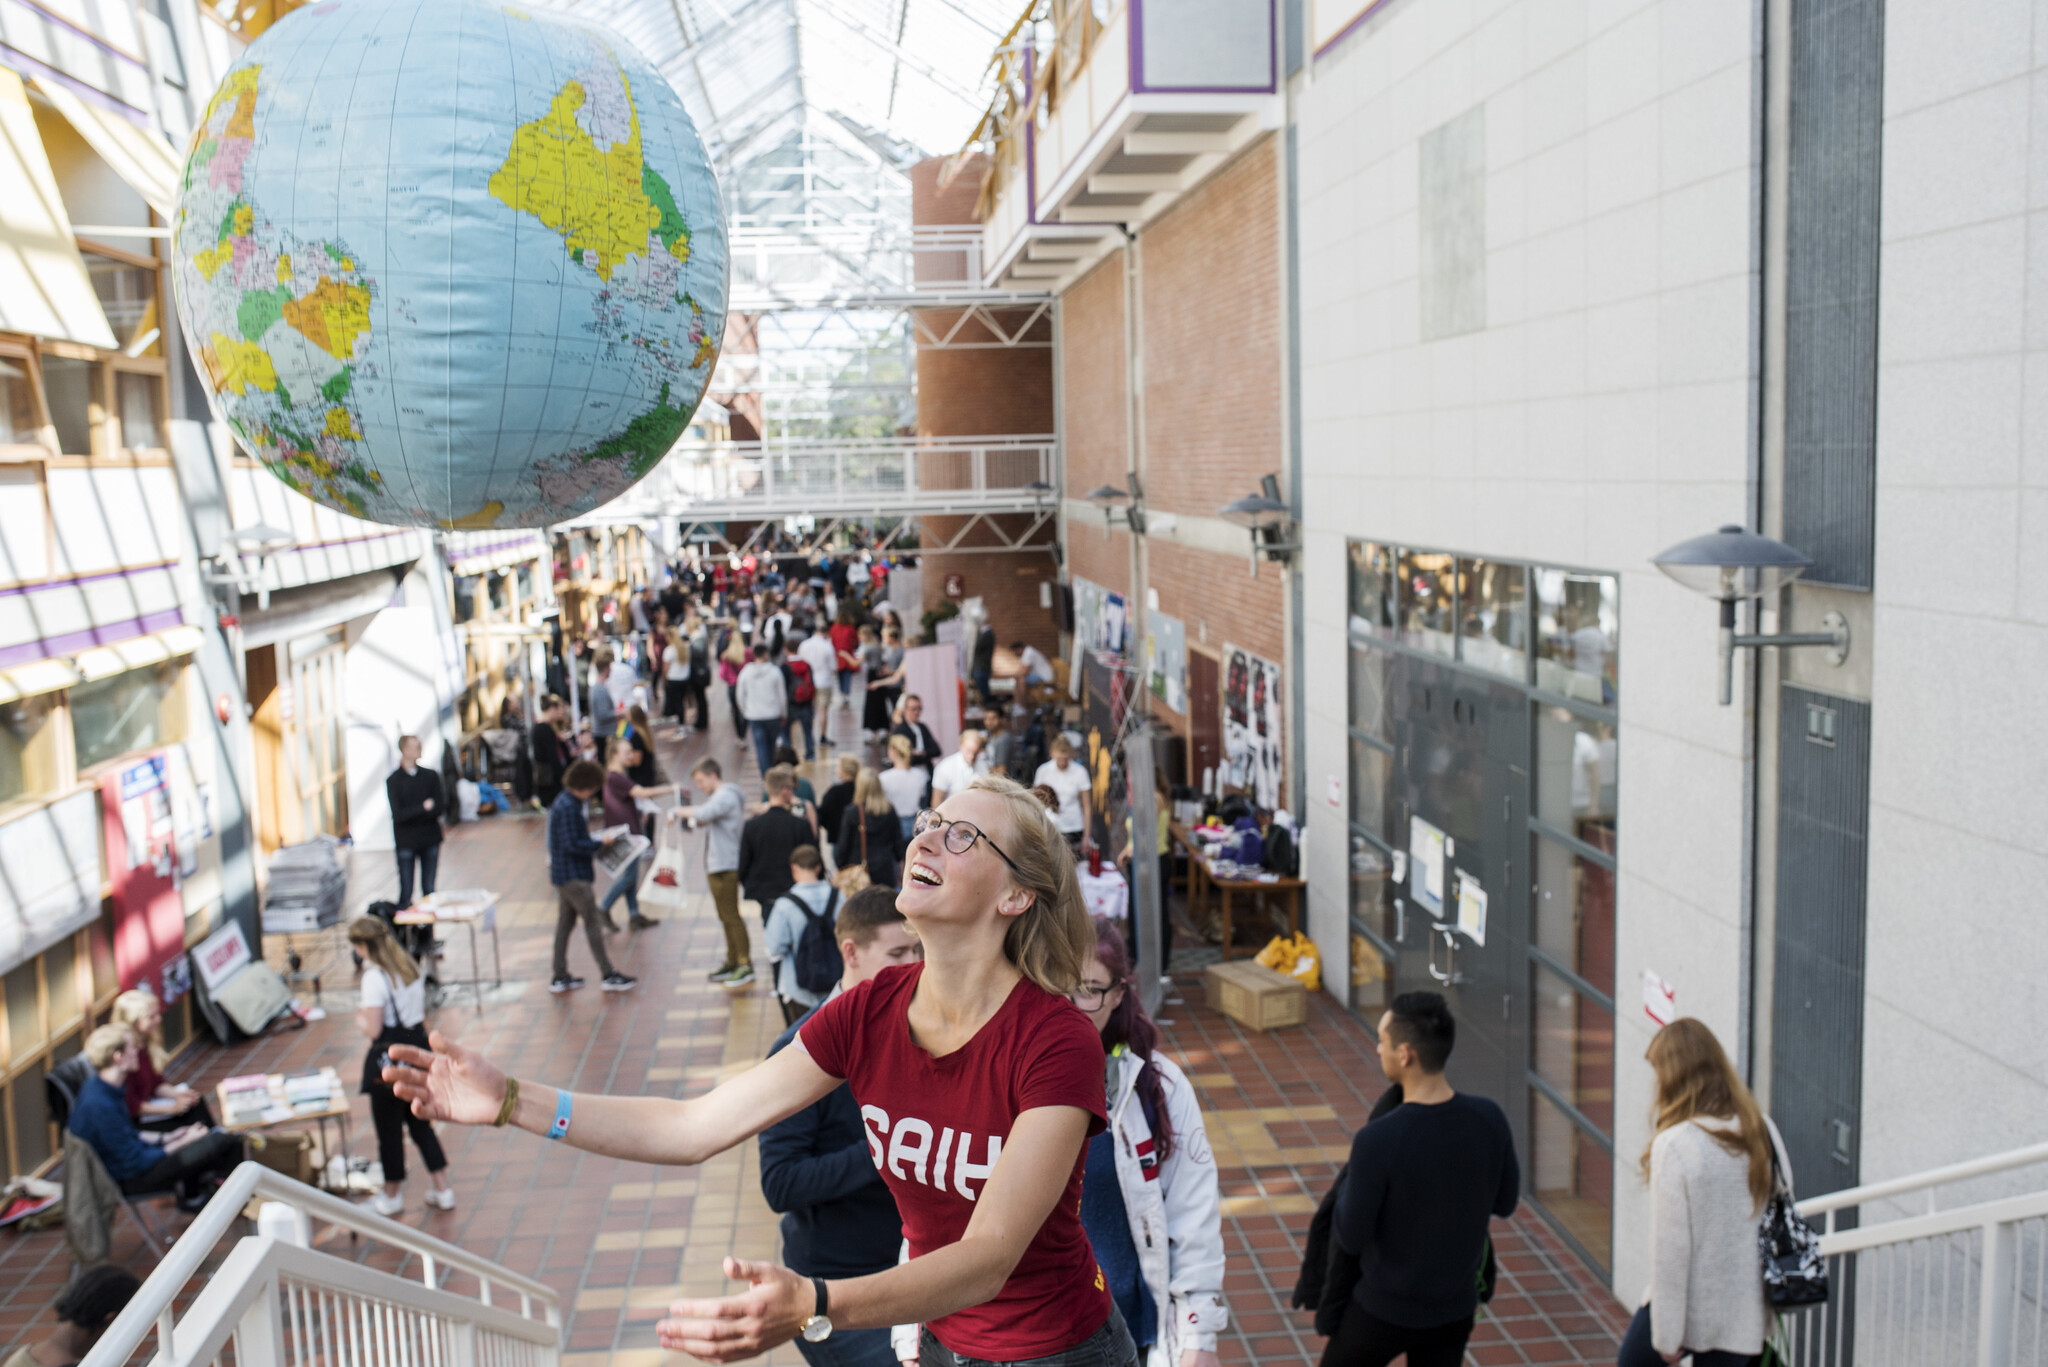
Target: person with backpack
<point x="800" y="942"/>
<point x="800" y="687"/>
<point x="1710" y="1170"/>
<point x="1419" y="1190"/>
<point x="838" y="1218"/>
<point x="816" y="650"/>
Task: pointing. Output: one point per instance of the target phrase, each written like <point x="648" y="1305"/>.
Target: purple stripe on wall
<point x="78" y="579"/>
<point x="1345" y="32"/>
<point x="1137" y="45"/>
<point x="110" y="633"/>
<point x="472" y="552"/>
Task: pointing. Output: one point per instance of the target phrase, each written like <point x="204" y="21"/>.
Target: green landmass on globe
<point x="569" y="362"/>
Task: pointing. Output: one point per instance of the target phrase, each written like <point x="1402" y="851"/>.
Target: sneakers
<point x="641" y="923"/>
<point x="561" y="985"/>
<point x="619" y="982"/>
<point x="386" y="1205"/>
<point x="740" y="977"/>
<point x="441" y="1198"/>
<point x="719" y="975"/>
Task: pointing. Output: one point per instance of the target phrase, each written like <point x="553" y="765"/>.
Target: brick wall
<point x="1217" y="595"/>
<point x="1093" y="410"/>
<point x="1211" y="301"/>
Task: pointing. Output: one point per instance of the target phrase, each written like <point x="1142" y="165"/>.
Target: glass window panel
<point x="1574" y="911"/>
<point x="77" y="408"/>
<point x="28" y="749"/>
<point x="18" y="418"/>
<point x="1371" y="697"/>
<point x="1425" y="601"/>
<point x="1572" y="1176"/>
<point x="1577" y="761"/>
<point x="101" y="938"/>
<point x="141" y="405"/>
<point x="24" y="1012"/>
<point x="1571" y="1045"/>
<point x="1372" y="589"/>
<point x="128" y="296"/>
<point x="1372" y="772"/>
<point x="138" y="710"/>
<point x="1493" y="617"/>
<point x="1372" y="978"/>
<point x="60" y="981"/>
<point x="31" y="1117"/>
<point x="1578" y="635"/>
<point x="1373" y="889"/>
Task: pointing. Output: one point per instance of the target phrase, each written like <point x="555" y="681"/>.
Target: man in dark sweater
<point x="838" y="1219"/>
<point x="768" y="840"/>
<point x="415" y="797"/>
<point x="1422" y="1183"/>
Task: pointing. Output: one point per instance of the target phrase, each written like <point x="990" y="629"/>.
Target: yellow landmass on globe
<point x="331" y="316"/>
<point x="340" y="424"/>
<point x="214" y="257"/>
<point x="240" y="86"/>
<point x="238" y="366"/>
<point x="284" y="266"/>
<point x="594" y="199"/>
<point x="482" y="520"/>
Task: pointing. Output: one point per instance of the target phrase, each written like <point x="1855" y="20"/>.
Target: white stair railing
<point x="281" y="1303"/>
<point x="1963" y="1287"/>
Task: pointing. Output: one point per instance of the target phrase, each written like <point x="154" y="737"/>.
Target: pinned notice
<point x="1471" y="908"/>
<point x="1660" y="999"/>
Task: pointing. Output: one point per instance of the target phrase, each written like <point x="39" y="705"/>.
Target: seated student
<point x="84" y="1309"/>
<point x="194" y="1160"/>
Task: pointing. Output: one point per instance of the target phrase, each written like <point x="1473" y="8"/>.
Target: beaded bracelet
<point x="511" y="1103"/>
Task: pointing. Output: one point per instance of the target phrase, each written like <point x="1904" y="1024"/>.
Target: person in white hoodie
<point x="1709" y="1169"/>
<point x="1149" y="1200"/>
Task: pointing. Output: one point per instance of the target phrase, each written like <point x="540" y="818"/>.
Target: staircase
<point x="276" y="1301"/>
<point x="1964" y="1287"/>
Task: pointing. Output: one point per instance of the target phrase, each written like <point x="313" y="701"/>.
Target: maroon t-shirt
<point x="936" y="1126"/>
<point x="619" y="809"/>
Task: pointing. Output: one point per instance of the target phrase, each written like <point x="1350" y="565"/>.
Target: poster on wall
<point x="1167" y="663"/>
<point x="51" y="860"/>
<point x="142" y="865"/>
<point x="1254" y="758"/>
<point x="1098" y="617"/>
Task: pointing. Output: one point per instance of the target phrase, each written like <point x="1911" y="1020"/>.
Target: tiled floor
<point x="619" y="1239"/>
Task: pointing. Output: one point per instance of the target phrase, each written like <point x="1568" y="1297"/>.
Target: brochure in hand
<point x="618" y="857"/>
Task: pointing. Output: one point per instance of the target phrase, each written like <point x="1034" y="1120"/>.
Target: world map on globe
<point x="452" y="263"/>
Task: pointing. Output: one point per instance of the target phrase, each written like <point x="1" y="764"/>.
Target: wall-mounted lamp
<point x="1038" y="489"/>
<point x="257" y="542"/>
<point x="1109" y="498"/>
<point x="1267" y="519"/>
<point x="1733" y="564"/>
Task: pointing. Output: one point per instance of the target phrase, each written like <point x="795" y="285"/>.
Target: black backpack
<point x="818" y="964"/>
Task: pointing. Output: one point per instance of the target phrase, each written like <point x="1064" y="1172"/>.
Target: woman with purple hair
<point x="1149" y="1200"/>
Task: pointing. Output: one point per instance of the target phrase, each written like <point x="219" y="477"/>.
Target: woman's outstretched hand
<point x="450" y="1083"/>
<point x="769" y="1312"/>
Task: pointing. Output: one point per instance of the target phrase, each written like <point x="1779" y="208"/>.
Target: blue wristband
<point x="561" y="1126"/>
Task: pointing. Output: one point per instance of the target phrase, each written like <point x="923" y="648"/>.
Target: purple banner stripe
<point x="111" y="633"/>
<point x="78" y="579"/>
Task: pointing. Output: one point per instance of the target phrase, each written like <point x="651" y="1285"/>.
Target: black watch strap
<point x="819" y="1282"/>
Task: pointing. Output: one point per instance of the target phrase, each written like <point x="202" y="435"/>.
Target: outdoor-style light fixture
<point x="257" y="542"/>
<point x="1266" y="518"/>
<point x="1733" y="564"/>
<point x="1109" y="498"/>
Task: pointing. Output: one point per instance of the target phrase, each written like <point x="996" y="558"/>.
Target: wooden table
<point x="1201" y="878"/>
<point x="337" y="1109"/>
<point x="467" y="907"/>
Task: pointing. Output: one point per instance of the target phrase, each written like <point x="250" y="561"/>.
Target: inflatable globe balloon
<point x="449" y="263"/>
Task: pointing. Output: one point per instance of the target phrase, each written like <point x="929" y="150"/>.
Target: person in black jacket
<point x="415" y="798"/>
<point x="838" y="1219"/>
<point x="832" y="806"/>
<point x="871" y="810"/>
<point x="1421" y="1186"/>
<point x="550" y="754"/>
<point x="768" y="840"/>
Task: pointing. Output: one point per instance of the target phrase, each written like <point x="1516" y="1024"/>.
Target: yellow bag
<point x="1297" y="958"/>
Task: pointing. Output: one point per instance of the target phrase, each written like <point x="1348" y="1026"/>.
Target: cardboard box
<point x="294" y="1154"/>
<point x="1253" y="995"/>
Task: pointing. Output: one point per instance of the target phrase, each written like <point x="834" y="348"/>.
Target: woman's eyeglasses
<point x="1088" y="996"/>
<point x="960" y="836"/>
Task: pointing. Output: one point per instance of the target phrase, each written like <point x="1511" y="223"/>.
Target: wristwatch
<point x="818" y="1327"/>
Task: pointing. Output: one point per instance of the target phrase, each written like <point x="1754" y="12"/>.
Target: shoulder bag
<point x="854" y="877"/>
<point x="1795" y="1272"/>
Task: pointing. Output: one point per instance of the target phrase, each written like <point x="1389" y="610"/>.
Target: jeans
<point x="850" y="1348"/>
<point x="802" y="718"/>
<point x="1365" y="1340"/>
<point x="429" y="860"/>
<point x="626" y="885"/>
<point x="846" y="679"/>
<point x="1638" y="1351"/>
<point x="1109" y="1346"/>
<point x="767" y="735"/>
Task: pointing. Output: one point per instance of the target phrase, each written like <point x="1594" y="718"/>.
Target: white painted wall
<point x="1602" y="414"/>
<point x="1959" y="805"/>
<point x="404" y="672"/>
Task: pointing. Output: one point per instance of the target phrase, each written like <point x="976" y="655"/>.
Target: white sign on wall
<point x="1660" y="999"/>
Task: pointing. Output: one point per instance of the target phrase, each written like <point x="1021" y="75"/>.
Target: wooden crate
<point x="1254" y="995"/>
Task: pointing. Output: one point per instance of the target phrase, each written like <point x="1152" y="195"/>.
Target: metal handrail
<point x="1923" y="1181"/>
<point x="152" y="1305"/>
